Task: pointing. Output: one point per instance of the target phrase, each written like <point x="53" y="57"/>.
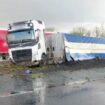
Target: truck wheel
<point x="44" y="60"/>
<point x="3" y="56"/>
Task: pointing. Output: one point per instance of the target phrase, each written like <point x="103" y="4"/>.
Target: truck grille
<point x="22" y="55"/>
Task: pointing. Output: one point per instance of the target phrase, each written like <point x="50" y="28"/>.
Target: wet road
<point x="82" y="87"/>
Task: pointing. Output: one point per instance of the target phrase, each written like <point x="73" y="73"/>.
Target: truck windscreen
<point x="21" y="35"/>
<point x="21" y="38"/>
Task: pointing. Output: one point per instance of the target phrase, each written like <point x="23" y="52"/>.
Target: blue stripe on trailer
<point x="83" y="39"/>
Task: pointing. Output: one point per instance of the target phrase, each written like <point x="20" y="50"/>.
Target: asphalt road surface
<point x="82" y="87"/>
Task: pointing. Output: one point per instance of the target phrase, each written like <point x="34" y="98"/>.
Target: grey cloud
<point x="52" y="11"/>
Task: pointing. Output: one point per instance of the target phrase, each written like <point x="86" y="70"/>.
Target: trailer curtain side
<point x="83" y="47"/>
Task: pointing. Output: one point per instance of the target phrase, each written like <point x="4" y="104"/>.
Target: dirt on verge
<point x="6" y="67"/>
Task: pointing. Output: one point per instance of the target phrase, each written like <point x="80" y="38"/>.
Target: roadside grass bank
<point x="7" y="68"/>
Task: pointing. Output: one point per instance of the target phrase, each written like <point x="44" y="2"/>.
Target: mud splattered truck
<point x="28" y="42"/>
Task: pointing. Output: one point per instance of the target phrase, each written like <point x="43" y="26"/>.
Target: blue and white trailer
<point x="83" y="47"/>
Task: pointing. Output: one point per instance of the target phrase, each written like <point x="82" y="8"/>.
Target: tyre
<point x="43" y="61"/>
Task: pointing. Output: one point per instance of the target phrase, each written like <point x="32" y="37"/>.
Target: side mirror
<point x="37" y="35"/>
<point x="37" y="39"/>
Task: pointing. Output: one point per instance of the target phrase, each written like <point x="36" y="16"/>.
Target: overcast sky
<point x="53" y="12"/>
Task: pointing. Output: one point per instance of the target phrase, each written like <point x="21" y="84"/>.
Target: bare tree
<point x="102" y="30"/>
<point x="51" y="29"/>
<point x="97" y="31"/>
<point x="88" y="33"/>
<point x="79" y="31"/>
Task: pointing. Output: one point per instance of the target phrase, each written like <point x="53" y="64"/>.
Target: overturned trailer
<point x="84" y="47"/>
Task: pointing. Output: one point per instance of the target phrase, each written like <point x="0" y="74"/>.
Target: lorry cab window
<point x="21" y="35"/>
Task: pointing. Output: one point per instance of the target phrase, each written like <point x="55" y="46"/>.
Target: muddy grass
<point x="7" y="68"/>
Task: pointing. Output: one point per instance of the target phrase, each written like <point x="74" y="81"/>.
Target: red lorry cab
<point x="3" y="44"/>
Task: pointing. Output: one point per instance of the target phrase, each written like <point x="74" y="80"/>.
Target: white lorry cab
<point x="26" y="41"/>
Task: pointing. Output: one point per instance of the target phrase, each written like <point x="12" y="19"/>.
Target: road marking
<point x="15" y="93"/>
<point x="77" y="82"/>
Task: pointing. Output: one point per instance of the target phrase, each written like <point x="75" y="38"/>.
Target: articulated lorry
<point x="28" y="42"/>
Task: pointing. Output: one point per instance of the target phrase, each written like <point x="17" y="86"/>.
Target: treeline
<point x="97" y="31"/>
